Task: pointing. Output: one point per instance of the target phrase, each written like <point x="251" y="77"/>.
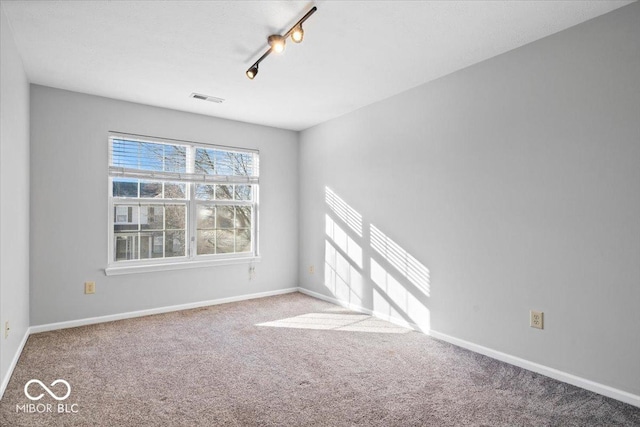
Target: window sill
<point x="147" y="268"/>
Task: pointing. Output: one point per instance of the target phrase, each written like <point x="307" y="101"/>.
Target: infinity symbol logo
<point x="26" y="392"/>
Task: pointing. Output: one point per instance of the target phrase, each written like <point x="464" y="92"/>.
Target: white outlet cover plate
<point x="536" y="319"/>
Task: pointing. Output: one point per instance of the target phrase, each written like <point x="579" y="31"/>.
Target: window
<point x="180" y="202"/>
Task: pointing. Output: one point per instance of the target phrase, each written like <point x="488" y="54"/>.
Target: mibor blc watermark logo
<point x="36" y="389"/>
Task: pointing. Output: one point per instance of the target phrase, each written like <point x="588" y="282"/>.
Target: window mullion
<point x="192" y="218"/>
<point x="139" y="232"/>
<point x="190" y="229"/>
<point x="164" y="231"/>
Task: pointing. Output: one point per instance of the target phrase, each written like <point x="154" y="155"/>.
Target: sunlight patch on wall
<point x="346" y="213"/>
<point x="406" y="264"/>
<point x="341" y="277"/>
<point x="394" y="300"/>
<point x="343" y="241"/>
<point x="337" y="322"/>
<point x="399" y="293"/>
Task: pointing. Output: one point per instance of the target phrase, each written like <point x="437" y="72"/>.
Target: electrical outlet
<point x="252" y="272"/>
<point x="312" y="269"/>
<point x="536" y="319"/>
<point x="6" y="329"/>
<point x="89" y="287"/>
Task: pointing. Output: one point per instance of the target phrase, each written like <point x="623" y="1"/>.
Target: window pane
<point x="224" y="216"/>
<point x="243" y="240"/>
<point x="150" y="156"/>
<point x="243" y="164"/>
<point x="151" y="189"/>
<point x="126" y="217"/>
<point x="174" y="244"/>
<point x="224" y="192"/>
<point x="124" y="153"/>
<point x="225" y="241"/>
<point x="205" y="161"/>
<point x="151" y="217"/>
<point x="243" y="192"/>
<point x="175" y="158"/>
<point x="121" y="214"/>
<point x="213" y="162"/>
<point x="175" y="217"/>
<point x="206" y="217"/>
<point x="224" y="163"/>
<point x="205" y="191"/>
<point x="153" y="241"/>
<point x="125" y="187"/>
<point x="128" y="187"/>
<point x="243" y="216"/>
<point x="224" y="229"/>
<point x="151" y="245"/>
<point x="175" y="190"/>
<point x="206" y="242"/>
<point x="220" y="162"/>
<point x="126" y="246"/>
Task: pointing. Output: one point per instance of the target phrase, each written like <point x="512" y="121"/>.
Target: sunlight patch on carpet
<point x="337" y="322"/>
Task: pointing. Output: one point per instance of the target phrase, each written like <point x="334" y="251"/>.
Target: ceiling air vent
<point x="207" y="98"/>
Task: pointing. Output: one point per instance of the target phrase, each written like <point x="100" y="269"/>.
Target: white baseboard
<point x="565" y="377"/>
<point x="159" y="310"/>
<point x="14" y="362"/>
<point x="556" y="374"/>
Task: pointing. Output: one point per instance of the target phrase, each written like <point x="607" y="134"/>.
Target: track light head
<point x="276" y="42"/>
<point x="251" y="72"/>
<point x="297" y="34"/>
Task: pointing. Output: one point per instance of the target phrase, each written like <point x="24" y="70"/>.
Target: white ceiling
<point x="354" y="52"/>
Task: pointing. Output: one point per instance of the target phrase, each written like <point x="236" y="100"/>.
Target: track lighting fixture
<point x="277" y="42"/>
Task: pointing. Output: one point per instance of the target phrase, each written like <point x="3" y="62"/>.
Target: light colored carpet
<point x="289" y="360"/>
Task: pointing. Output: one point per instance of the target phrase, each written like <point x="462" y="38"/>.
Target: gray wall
<point x="69" y="208"/>
<point x="14" y="197"/>
<point x="516" y="182"/>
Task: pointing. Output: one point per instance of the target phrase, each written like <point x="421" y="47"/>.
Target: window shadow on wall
<point x="364" y="267"/>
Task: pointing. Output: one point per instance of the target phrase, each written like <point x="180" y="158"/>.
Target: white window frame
<point x="191" y="258"/>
